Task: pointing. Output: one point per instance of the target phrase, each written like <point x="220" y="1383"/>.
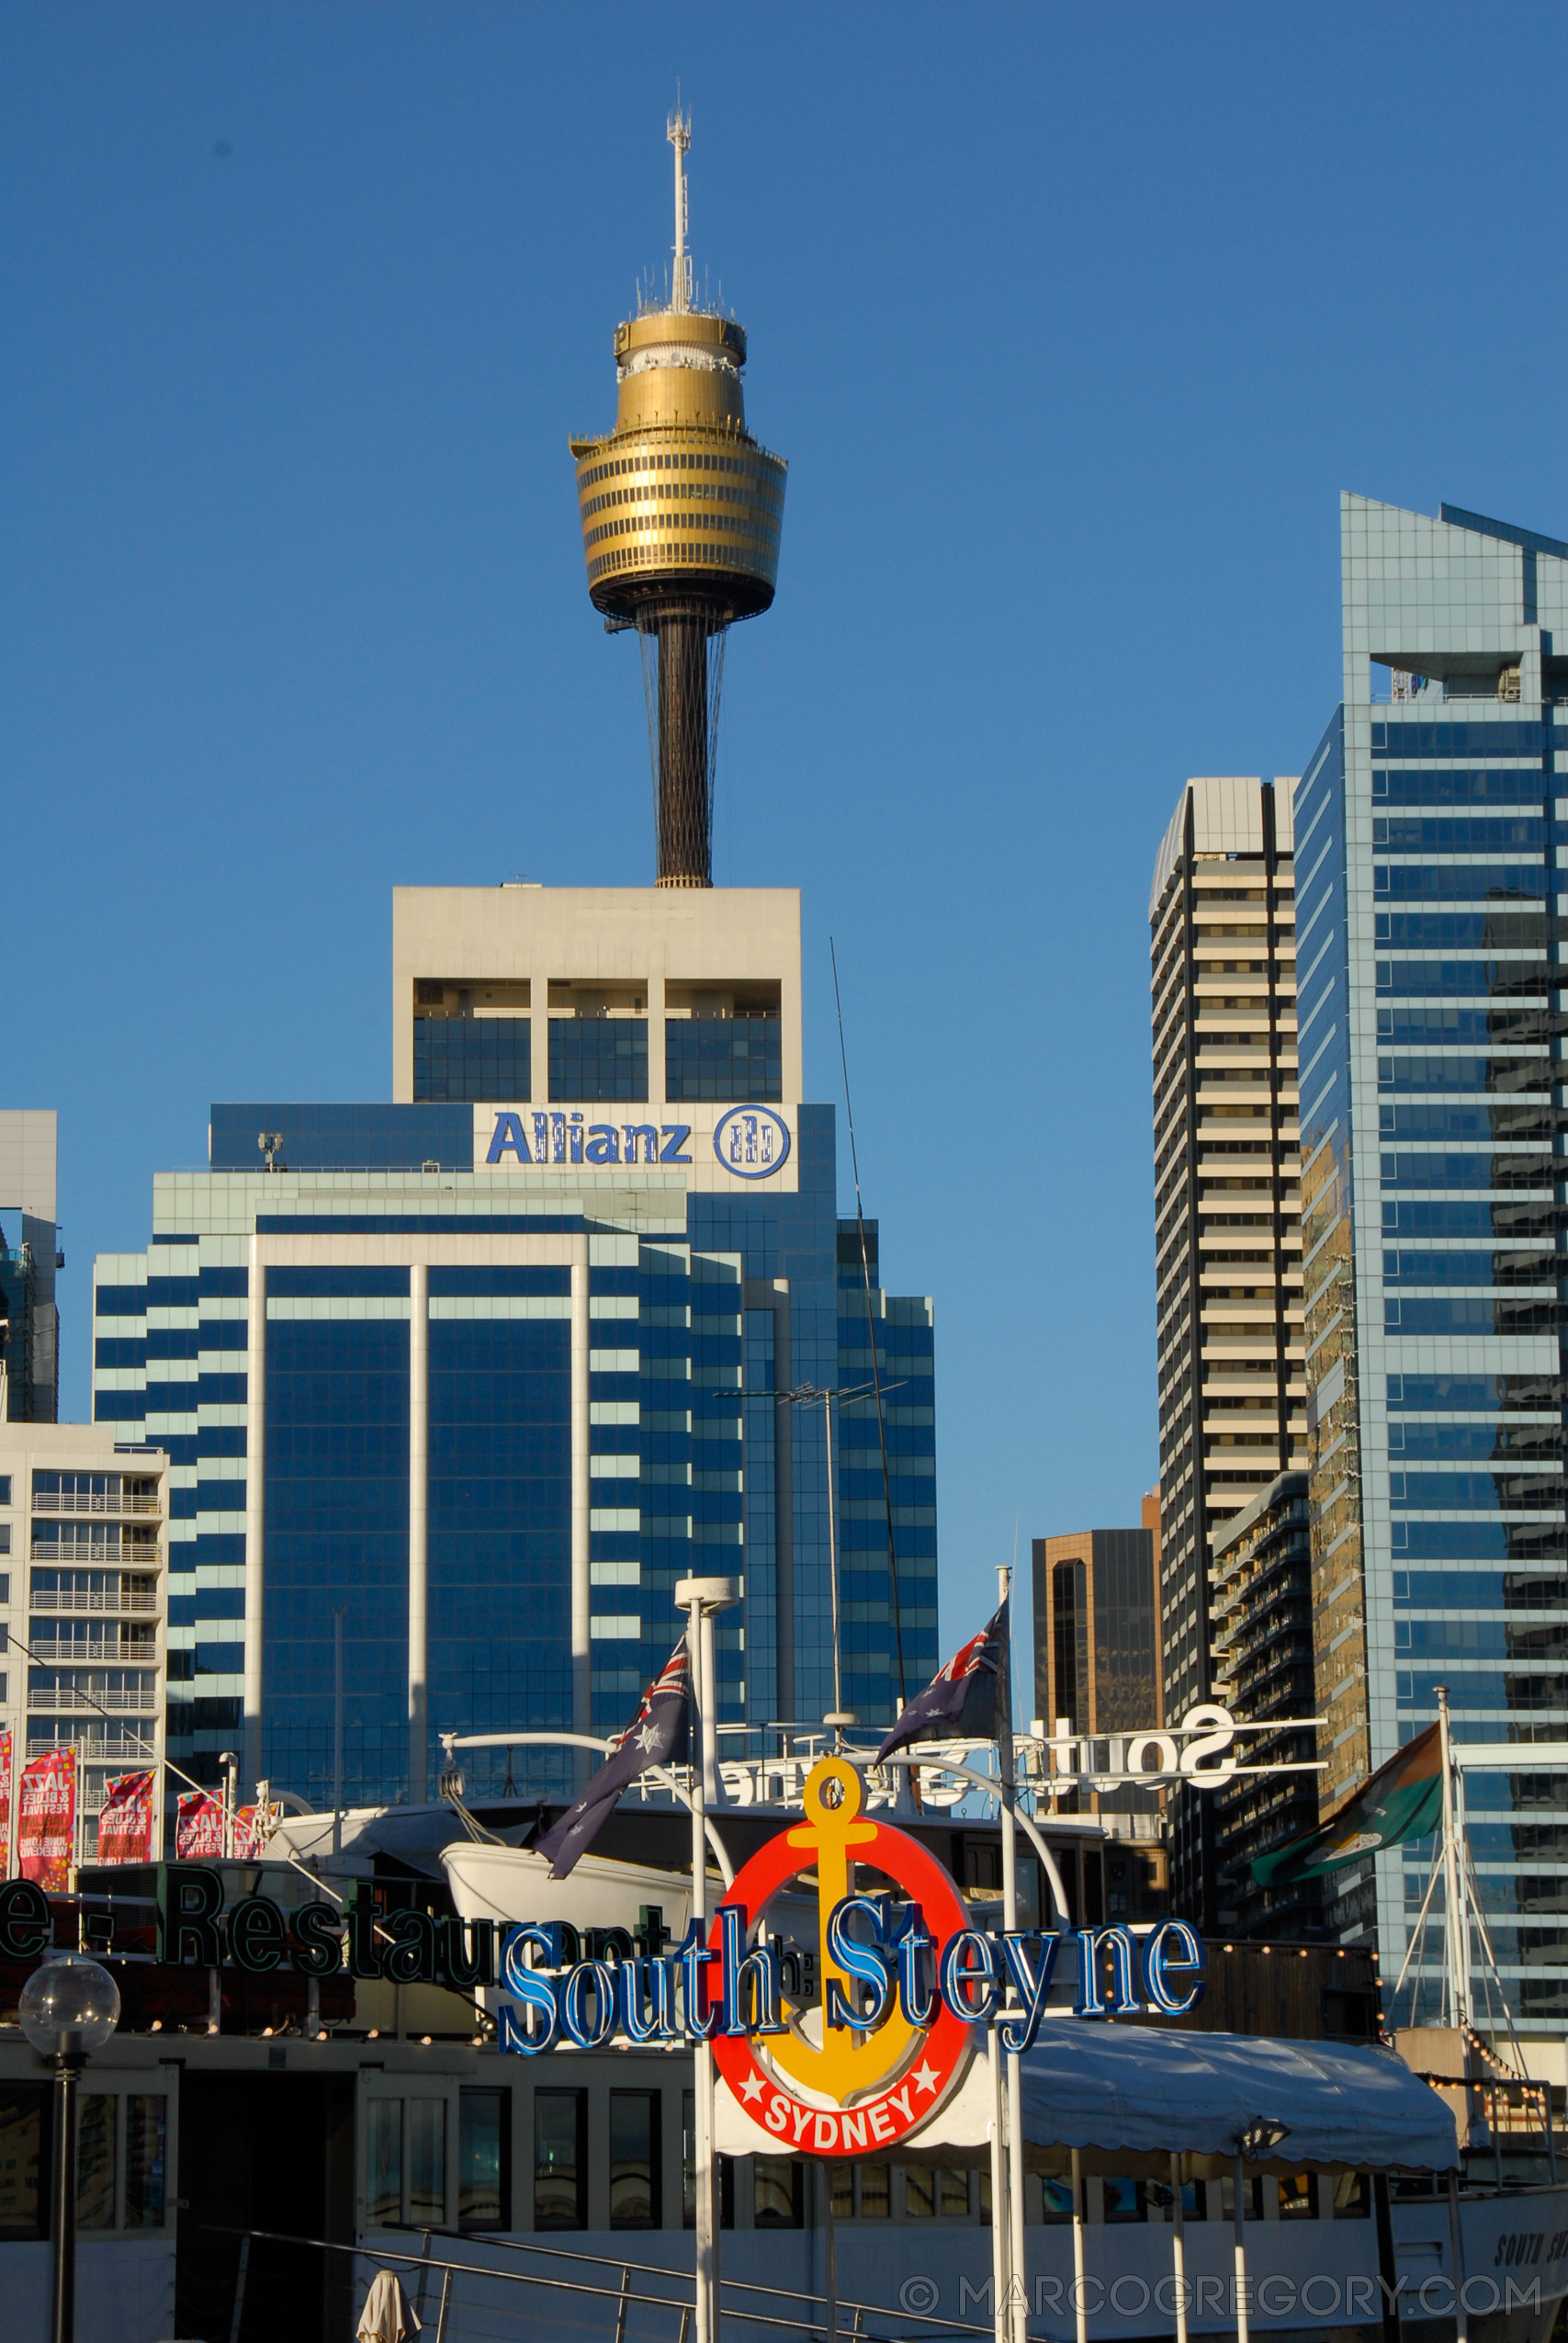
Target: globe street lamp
<point x="69" y="2007"/>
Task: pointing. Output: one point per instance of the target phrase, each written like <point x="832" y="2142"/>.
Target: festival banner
<point x="198" y="1827"/>
<point x="124" y="1819"/>
<point x="46" y="1820"/>
<point x="5" y="1802"/>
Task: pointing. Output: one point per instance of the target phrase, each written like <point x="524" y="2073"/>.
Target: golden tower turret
<point x="681" y="511"/>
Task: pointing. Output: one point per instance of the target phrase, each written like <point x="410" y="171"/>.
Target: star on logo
<point x="925" y="2076"/>
<point x="648" y="1737"/>
<point x="752" y="2089"/>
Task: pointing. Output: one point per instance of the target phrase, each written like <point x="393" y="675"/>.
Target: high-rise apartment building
<point x="1429" y="828"/>
<point x="84" y="1552"/>
<point x="1263" y="1675"/>
<point x="1222" y="920"/>
<point x="29" y="1321"/>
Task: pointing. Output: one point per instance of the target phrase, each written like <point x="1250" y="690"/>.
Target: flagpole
<point x="701" y="1599"/>
<point x="1018" y="2289"/>
<point x="1456" y="1930"/>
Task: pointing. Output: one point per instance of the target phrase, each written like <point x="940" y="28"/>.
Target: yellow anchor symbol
<point x="848" y="2063"/>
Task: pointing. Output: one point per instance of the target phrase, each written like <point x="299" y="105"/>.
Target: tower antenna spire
<point x="679" y="136"/>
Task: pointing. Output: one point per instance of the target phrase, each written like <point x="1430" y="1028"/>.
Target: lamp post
<point x="702" y="1599"/>
<point x="69" y="2007"/>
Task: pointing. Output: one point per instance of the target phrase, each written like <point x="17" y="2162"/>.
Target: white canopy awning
<point x="1130" y="2096"/>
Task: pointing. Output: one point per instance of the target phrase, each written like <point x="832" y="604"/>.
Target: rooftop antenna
<point x="680" y="136"/>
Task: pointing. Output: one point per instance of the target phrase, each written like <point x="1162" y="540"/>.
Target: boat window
<point x="1298" y="2197"/>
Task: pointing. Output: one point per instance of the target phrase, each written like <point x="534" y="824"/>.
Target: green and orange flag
<point x="1403" y="1800"/>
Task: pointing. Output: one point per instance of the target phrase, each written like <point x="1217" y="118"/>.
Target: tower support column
<point x="685" y="856"/>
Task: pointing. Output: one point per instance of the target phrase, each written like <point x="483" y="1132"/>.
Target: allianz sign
<point x="749" y="1142"/>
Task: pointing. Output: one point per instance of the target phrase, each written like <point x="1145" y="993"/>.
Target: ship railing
<point x="671" y="2290"/>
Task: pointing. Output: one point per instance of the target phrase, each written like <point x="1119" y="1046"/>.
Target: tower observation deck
<point x="682" y="511"/>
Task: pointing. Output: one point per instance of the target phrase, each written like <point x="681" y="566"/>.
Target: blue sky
<point x="1073" y="324"/>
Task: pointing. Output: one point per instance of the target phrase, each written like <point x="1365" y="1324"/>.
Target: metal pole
<point x="705" y="2258"/>
<point x="999" y="2190"/>
<point x="1456" y="2002"/>
<point x="1080" y="2300"/>
<point x="337" y="1730"/>
<point x="418" y="1536"/>
<point x="1018" y="2273"/>
<point x="834" y="1567"/>
<point x="256" y="1506"/>
<point x="1178" y="2248"/>
<point x="830" y="2257"/>
<point x="240" y="2277"/>
<point x="1388" y="2265"/>
<point x="1456" y="2246"/>
<point x="63" y="2312"/>
<point x="1239" y="2281"/>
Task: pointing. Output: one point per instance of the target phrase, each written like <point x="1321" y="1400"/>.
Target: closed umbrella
<point x="388" y="2316"/>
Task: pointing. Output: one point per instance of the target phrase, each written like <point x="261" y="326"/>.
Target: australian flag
<point x="659" y="1734"/>
<point x="967" y="1699"/>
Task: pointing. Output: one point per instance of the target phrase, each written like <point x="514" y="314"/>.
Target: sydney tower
<point x="681" y="511"/>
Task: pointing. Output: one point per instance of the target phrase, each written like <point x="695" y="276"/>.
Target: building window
<point x="96" y="2161"/>
<point x="560" y="2159"/>
<point x="1123" y="2198"/>
<point x="146" y="2156"/>
<point x="1352" y="2196"/>
<point x="484" y="2156"/>
<point x="405" y="2162"/>
<point x="1298" y="2197"/>
<point x="458" y="1058"/>
<point x="427" y="2160"/>
<point x="383" y="2162"/>
<point x="634" y="2160"/>
<point x="23" y="2210"/>
<point x="724" y="1058"/>
<point x="779" y="2192"/>
<point x="598" y="1059"/>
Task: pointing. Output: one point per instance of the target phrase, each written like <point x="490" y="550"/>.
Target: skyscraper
<point x="1222" y="964"/>
<point x="29" y="1321"/>
<point x="1431" y="932"/>
<point x="475" y="1377"/>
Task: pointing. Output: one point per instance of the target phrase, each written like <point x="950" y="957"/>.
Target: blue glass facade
<point x="723" y="1057"/>
<point x="596" y="1059"/>
<point x="337" y="1536"/>
<point x="470" y="1058"/>
<point x="601" y="1371"/>
<point x="1433" y="1202"/>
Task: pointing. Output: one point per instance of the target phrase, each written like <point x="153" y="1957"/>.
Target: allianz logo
<point x="751" y="1142"/>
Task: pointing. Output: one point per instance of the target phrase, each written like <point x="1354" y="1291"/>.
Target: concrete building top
<point x="28" y="1160"/>
<point x="662" y="945"/>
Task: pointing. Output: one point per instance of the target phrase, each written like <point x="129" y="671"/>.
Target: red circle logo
<point x="846" y="2092"/>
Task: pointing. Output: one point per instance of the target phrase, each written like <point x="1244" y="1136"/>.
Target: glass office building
<point x="470" y="1381"/>
<point x="1429" y="938"/>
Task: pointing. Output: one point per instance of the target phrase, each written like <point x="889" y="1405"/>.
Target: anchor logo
<point x="843" y="2089"/>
